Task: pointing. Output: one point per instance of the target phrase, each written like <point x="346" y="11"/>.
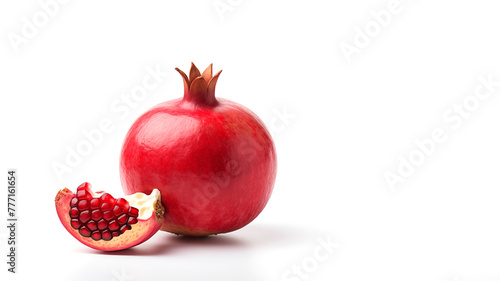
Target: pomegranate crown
<point x="200" y="88"/>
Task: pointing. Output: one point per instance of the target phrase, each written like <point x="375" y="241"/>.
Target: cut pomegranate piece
<point x="104" y="223"/>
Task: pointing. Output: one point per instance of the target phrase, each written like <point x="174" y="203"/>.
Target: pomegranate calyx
<point x="193" y="73"/>
<point x="207" y="74"/>
<point x="200" y="88"/>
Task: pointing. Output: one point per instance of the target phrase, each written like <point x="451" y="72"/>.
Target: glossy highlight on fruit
<point x="213" y="160"/>
<point x="102" y="222"/>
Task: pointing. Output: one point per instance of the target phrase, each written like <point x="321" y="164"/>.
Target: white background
<point x="339" y="127"/>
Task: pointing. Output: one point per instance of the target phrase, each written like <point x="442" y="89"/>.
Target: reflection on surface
<point x="247" y="254"/>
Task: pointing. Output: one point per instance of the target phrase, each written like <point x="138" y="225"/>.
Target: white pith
<point x="144" y="202"/>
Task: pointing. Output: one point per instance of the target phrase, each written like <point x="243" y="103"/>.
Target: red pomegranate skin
<point x="213" y="161"/>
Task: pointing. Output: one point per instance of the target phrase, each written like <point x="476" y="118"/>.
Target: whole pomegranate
<point x="213" y="160"/>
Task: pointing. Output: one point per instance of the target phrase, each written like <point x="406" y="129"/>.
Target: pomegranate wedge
<point x="102" y="222"/>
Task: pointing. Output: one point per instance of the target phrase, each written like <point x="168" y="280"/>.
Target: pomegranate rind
<point x="140" y="232"/>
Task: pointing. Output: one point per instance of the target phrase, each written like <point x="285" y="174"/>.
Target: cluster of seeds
<point x="100" y="218"/>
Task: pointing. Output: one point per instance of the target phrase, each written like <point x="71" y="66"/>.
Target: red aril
<point x="212" y="159"/>
<point x="102" y="222"/>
